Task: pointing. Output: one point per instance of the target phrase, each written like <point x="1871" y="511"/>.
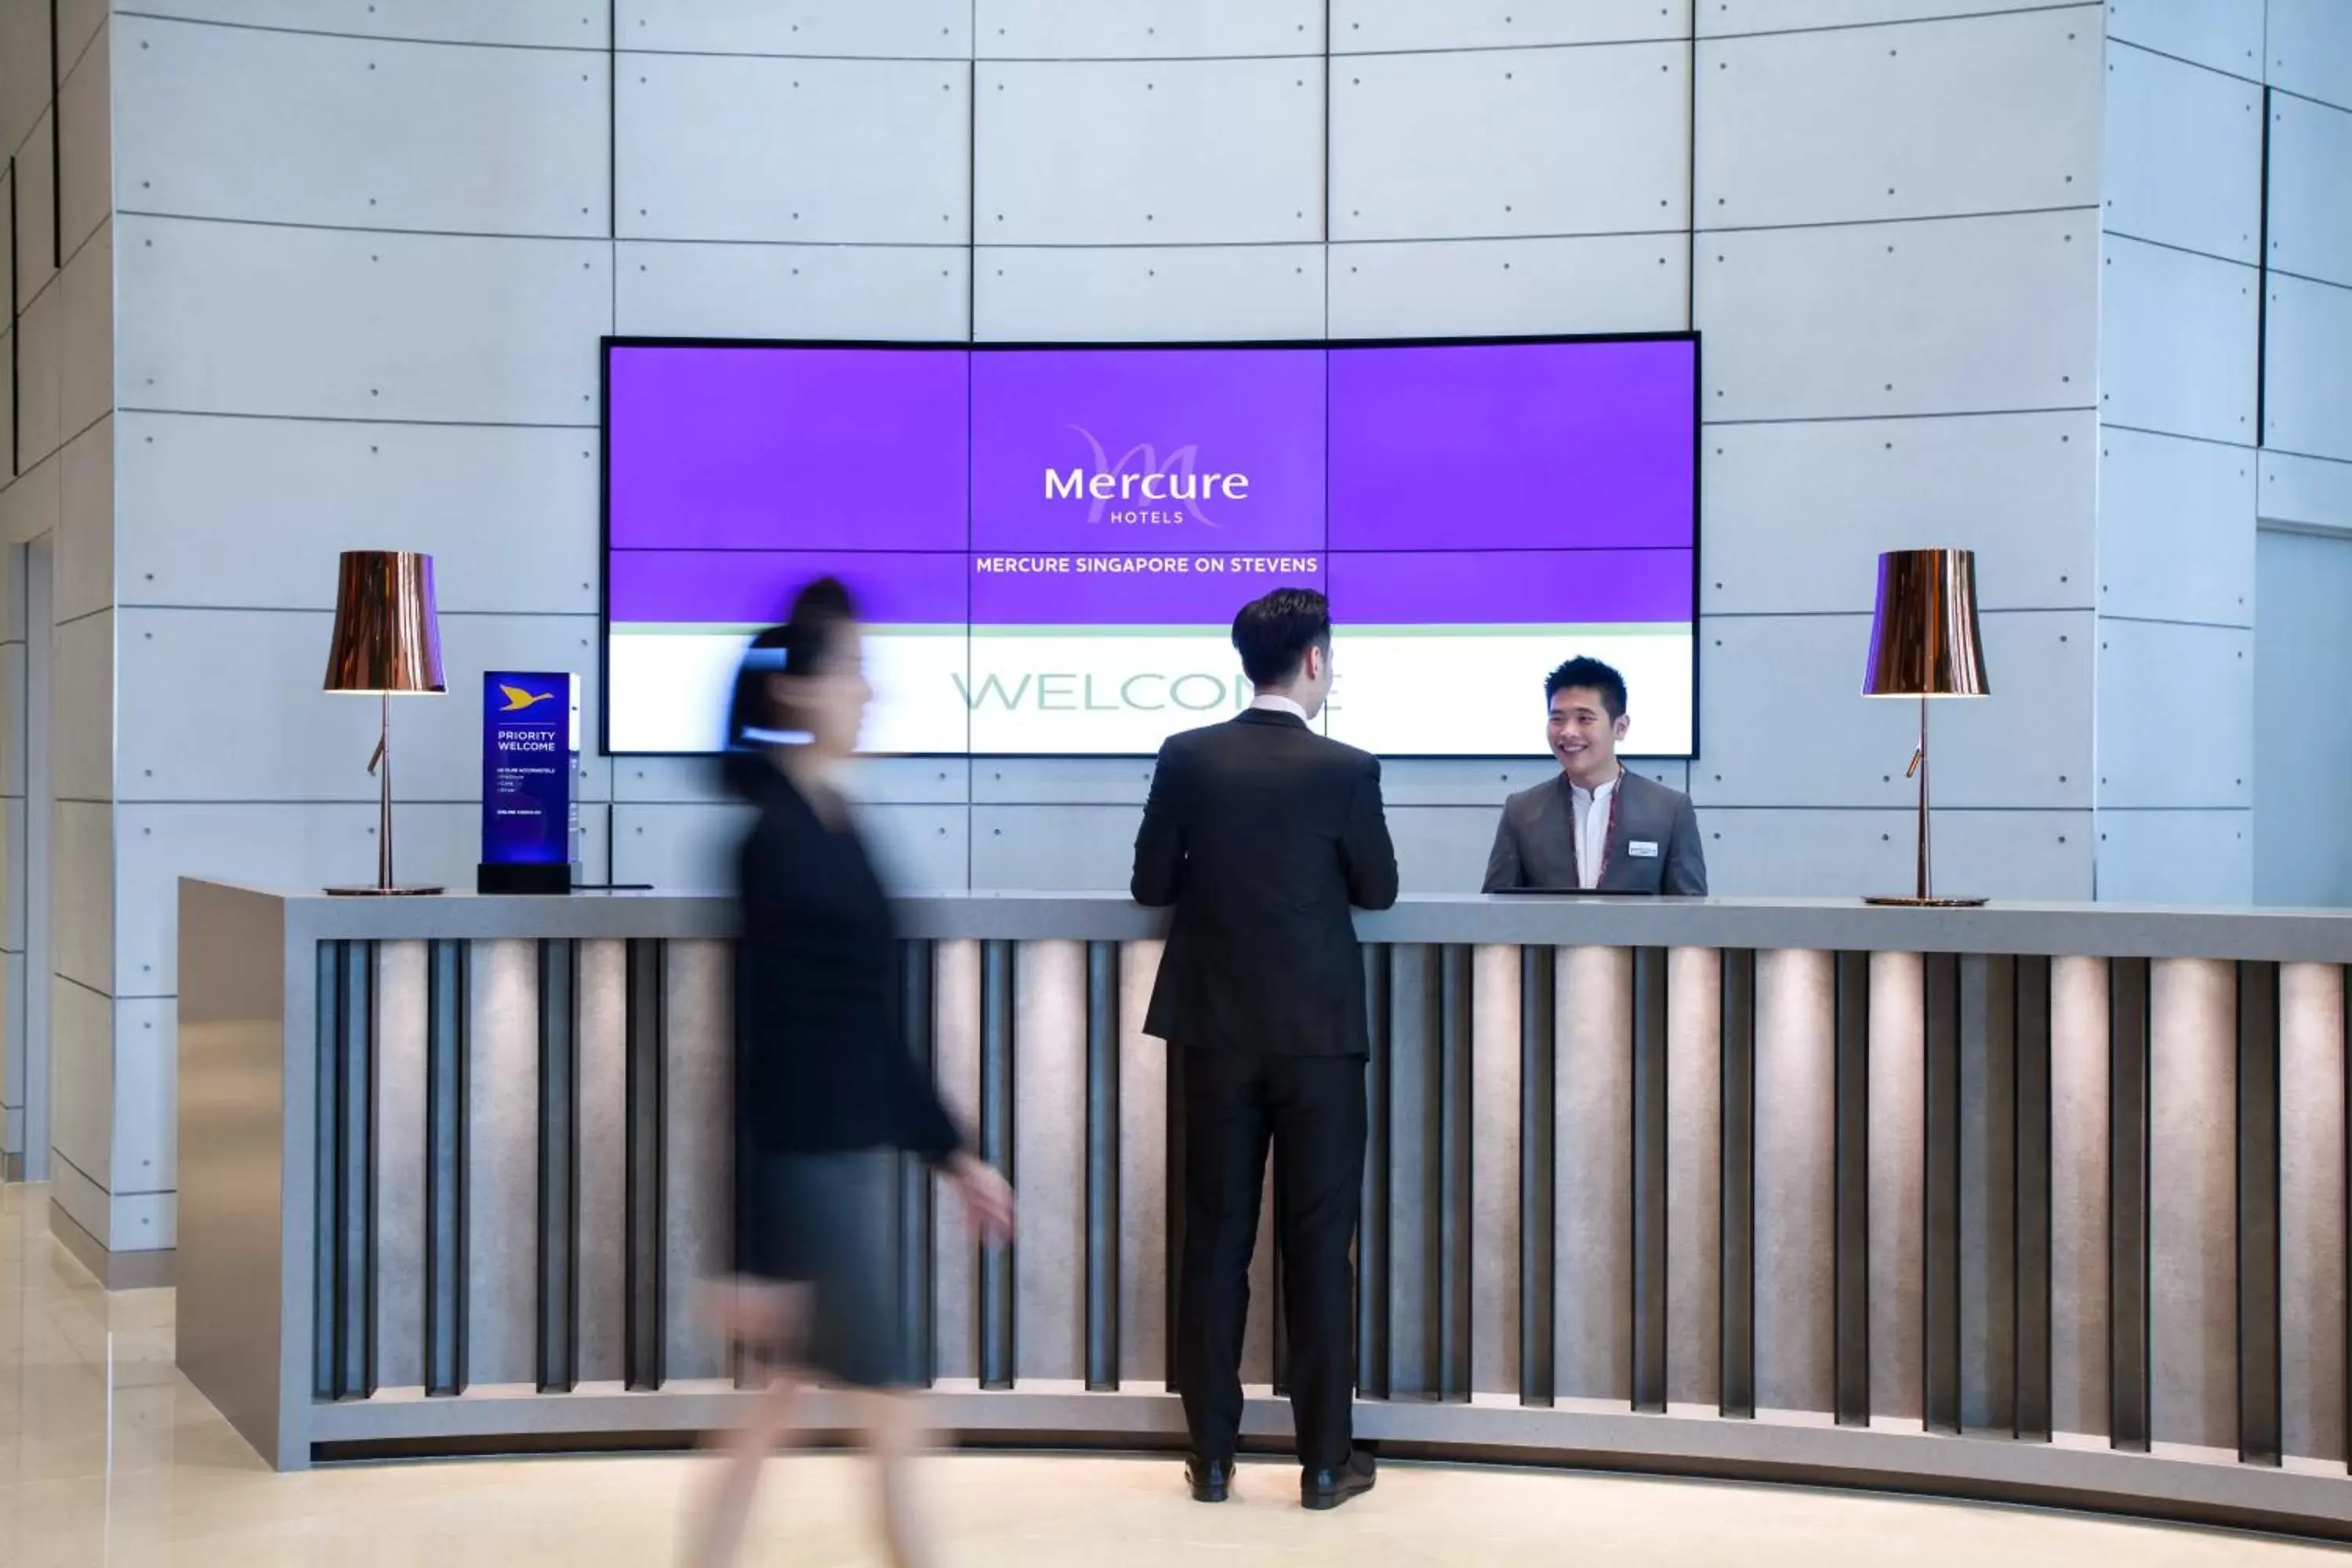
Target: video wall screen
<point x="1049" y="543"/>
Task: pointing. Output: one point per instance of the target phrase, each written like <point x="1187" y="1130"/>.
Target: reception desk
<point x="2031" y="1202"/>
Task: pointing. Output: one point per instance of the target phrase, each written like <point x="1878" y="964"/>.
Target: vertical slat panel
<point x="1144" y="1198"/>
<point x="917" y="1190"/>
<point x="698" y="1148"/>
<point x="600" y="1162"/>
<point x="1988" y="1194"/>
<point x="1592" y="1303"/>
<point x="1898" y="1170"/>
<point x="1739" y="1045"/>
<point x="1494" y="1189"/>
<point x="558" y="1166"/>
<point x="1851" y="1161"/>
<point x="996" y="1264"/>
<point x="327" y="1178"/>
<point x="1415" y="1217"/>
<point x="399" y="1175"/>
<point x="1455" y="1231"/>
<point x="2129" y="988"/>
<point x="2192" y="1244"/>
<point x="2258" y="1395"/>
<point x="1940" y="1153"/>
<point x="1372" y="1250"/>
<point x="1539" y="1167"/>
<point x="1102" y="1166"/>
<point x="2080" y="1135"/>
<point x="1648" y="1042"/>
<point x="954" y="1268"/>
<point x="1694" y="1179"/>
<point x="446" y="1012"/>
<point x="2312" y="1215"/>
<point x="1457" y="1038"/>
<point x="646" y="1098"/>
<point x="1796" y="1190"/>
<point x="355" y="1323"/>
<point x="2032" y="1221"/>
<point x="1047" y="1089"/>
<point x="503" y="1165"/>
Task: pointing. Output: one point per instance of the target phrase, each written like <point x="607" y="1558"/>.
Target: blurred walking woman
<point x="827" y="1092"/>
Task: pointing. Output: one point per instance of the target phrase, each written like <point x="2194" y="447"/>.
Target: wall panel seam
<point x="1901" y="21"/>
<point x="104" y="225"/>
<point x="1677" y="233"/>
<point x="2179" y="435"/>
<point x="27" y="141"/>
<point x="850" y="243"/>
<point x="2273" y="451"/>
<point x="2112" y="233"/>
<point x="978" y="60"/>
<point x="58" y="450"/>
<point x="2153" y="53"/>
<point x="354" y="419"/>
<point x="2279" y="92"/>
<point x="1858" y="419"/>
<point x="2340" y="287"/>
<point x="158" y="215"/>
<point x="1970" y="215"/>
<point x="70" y="72"/>
<point x="2178" y="621"/>
<point x="360" y="37"/>
<point x="2207" y="808"/>
<point x="75" y="1166"/>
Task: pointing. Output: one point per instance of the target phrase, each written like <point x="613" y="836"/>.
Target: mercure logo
<point x="1140" y="475"/>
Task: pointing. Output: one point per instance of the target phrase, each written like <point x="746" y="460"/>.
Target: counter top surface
<point x="2054" y="929"/>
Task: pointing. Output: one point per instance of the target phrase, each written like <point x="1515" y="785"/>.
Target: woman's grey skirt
<point x="830" y="1221"/>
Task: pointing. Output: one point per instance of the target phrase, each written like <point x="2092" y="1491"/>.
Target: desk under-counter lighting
<point x="2034" y="1202"/>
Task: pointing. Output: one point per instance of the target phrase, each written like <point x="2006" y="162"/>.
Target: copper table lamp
<point x="387" y="644"/>
<point x="1923" y="644"/>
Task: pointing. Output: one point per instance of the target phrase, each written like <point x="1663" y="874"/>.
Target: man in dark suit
<point x="1262" y="834"/>
<point x="1596" y="825"/>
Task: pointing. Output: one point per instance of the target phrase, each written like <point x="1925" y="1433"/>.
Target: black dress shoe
<point x="1321" y="1491"/>
<point x="1211" y="1480"/>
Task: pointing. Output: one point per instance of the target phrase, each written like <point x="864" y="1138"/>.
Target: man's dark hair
<point x="1593" y="676"/>
<point x="1273" y="634"/>
<point x="798" y="647"/>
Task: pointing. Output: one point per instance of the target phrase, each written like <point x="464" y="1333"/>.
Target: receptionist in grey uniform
<point x="1596" y="827"/>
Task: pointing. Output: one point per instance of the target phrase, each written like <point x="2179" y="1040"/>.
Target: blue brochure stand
<point x="530" y="774"/>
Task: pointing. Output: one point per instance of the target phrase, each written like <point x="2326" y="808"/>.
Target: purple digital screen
<point x="985" y="502"/>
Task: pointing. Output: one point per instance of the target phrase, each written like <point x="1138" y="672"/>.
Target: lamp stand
<point x="1925" y="898"/>
<point x="380" y="765"/>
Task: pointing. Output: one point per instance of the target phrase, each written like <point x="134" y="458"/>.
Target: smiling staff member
<point x="1596" y="827"/>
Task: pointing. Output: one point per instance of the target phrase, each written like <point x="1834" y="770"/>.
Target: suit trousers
<point x="1310" y="1110"/>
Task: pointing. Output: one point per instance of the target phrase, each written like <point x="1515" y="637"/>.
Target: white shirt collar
<point x="1603" y="791"/>
<point x="1273" y="702"/>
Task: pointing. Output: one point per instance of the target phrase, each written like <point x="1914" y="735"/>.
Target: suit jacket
<point x="1261" y="833"/>
<point x="1653" y="847"/>
<point x="822" y="1064"/>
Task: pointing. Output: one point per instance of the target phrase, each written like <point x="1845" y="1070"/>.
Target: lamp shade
<point x="388" y="636"/>
<point x="1923" y="639"/>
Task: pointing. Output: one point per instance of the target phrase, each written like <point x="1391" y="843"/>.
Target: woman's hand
<point x="987" y="1196"/>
